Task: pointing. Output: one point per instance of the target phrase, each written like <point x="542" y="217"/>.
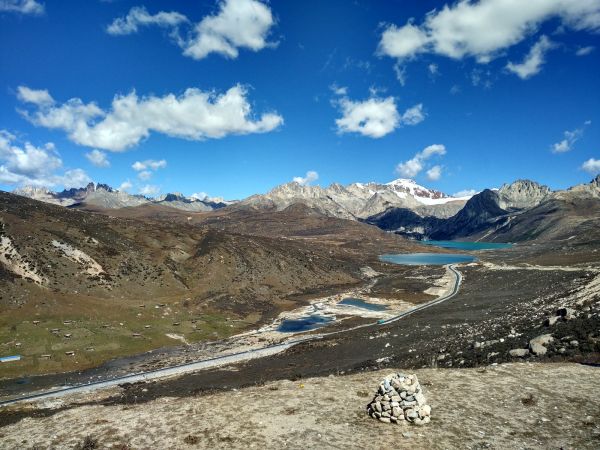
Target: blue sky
<point x="355" y="91"/>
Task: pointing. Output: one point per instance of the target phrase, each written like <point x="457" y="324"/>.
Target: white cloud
<point x="339" y="90"/>
<point x="534" y="60"/>
<point x="32" y="7"/>
<point x="465" y="193"/>
<point x="435" y="173"/>
<point x="139" y="16"/>
<point x="403" y="42"/>
<point x="40" y="97"/>
<point x="195" y="115"/>
<point x="149" y="190"/>
<point x="26" y="164"/>
<point x="400" y="71"/>
<point x="375" y="117"/>
<point x="484" y="29"/>
<point x="146" y="168"/>
<point x="433" y="69"/>
<point x="74" y="179"/>
<point x="125" y="186"/>
<point x="238" y="24"/>
<point x="98" y="158"/>
<point x="414" y="115"/>
<point x="145" y="175"/>
<point x="570" y="137"/>
<point x="583" y="51"/>
<point x="199" y="195"/>
<point x="310" y="177"/>
<point x="412" y="167"/>
<point x="592" y="166"/>
<point x="149" y="164"/>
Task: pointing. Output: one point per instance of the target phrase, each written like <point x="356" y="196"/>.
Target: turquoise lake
<point x="436" y="259"/>
<point x="303" y="324"/>
<point x="362" y="304"/>
<point x="467" y="245"/>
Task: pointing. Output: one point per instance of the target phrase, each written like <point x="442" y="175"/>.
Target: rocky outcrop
<point x="522" y="194"/>
<point x="399" y="399"/>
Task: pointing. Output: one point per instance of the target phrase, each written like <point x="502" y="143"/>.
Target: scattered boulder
<point x="400" y="399"/>
<point x="567" y="313"/>
<point x="550" y="321"/>
<point x="538" y="344"/>
<point x="519" y="352"/>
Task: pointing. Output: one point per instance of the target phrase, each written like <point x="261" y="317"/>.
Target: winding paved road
<point x="222" y="360"/>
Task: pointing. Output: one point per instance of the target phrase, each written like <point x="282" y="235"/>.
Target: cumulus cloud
<point x="149" y="164"/>
<point x="32" y="7"/>
<point x="570" y="137"/>
<point x="591" y="166"/>
<point x="139" y="16"/>
<point x="26" y="164"/>
<point x="199" y="195"/>
<point x="146" y="168"/>
<point x="534" y="60"/>
<point x="149" y="190"/>
<point x="310" y="177"/>
<point x="435" y="173"/>
<point x="194" y="115"/>
<point x="39" y="97"/>
<point x="483" y="29"/>
<point x="374" y="117"/>
<point x="125" y="186"/>
<point x="98" y="158"/>
<point x="412" y="167"/>
<point x="583" y="51"/>
<point x="238" y="24"/>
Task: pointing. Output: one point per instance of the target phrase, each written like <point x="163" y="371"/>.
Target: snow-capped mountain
<point x="103" y="196"/>
<point x="361" y="200"/>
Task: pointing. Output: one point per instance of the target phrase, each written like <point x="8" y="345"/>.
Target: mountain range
<point x="401" y="206"/>
<point x="355" y="201"/>
<point x="103" y="196"/>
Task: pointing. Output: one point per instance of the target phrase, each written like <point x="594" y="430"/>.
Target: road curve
<point x="222" y="360"/>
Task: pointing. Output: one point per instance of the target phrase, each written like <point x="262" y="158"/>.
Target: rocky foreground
<point x="510" y="406"/>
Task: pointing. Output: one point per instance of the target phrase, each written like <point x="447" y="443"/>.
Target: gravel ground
<point x="517" y="405"/>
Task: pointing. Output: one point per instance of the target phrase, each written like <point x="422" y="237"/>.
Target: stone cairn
<point x="399" y="398"/>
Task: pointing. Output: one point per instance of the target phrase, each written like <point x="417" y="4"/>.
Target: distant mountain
<point x="360" y="200"/>
<point x="103" y="196"/>
<point x="508" y="213"/>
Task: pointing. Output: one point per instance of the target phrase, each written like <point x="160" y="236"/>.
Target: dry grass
<point x="471" y="409"/>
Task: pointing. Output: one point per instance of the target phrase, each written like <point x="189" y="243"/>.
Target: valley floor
<point x="516" y="405"/>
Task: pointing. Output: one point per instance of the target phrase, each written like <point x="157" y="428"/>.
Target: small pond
<point x="305" y="323"/>
<point x="459" y="245"/>
<point x="436" y="259"/>
<point x="362" y="304"/>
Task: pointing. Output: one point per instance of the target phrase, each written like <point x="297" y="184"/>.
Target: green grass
<point x="95" y="341"/>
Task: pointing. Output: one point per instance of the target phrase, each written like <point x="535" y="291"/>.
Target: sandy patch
<point x="89" y="264"/>
<point x="13" y="261"/>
